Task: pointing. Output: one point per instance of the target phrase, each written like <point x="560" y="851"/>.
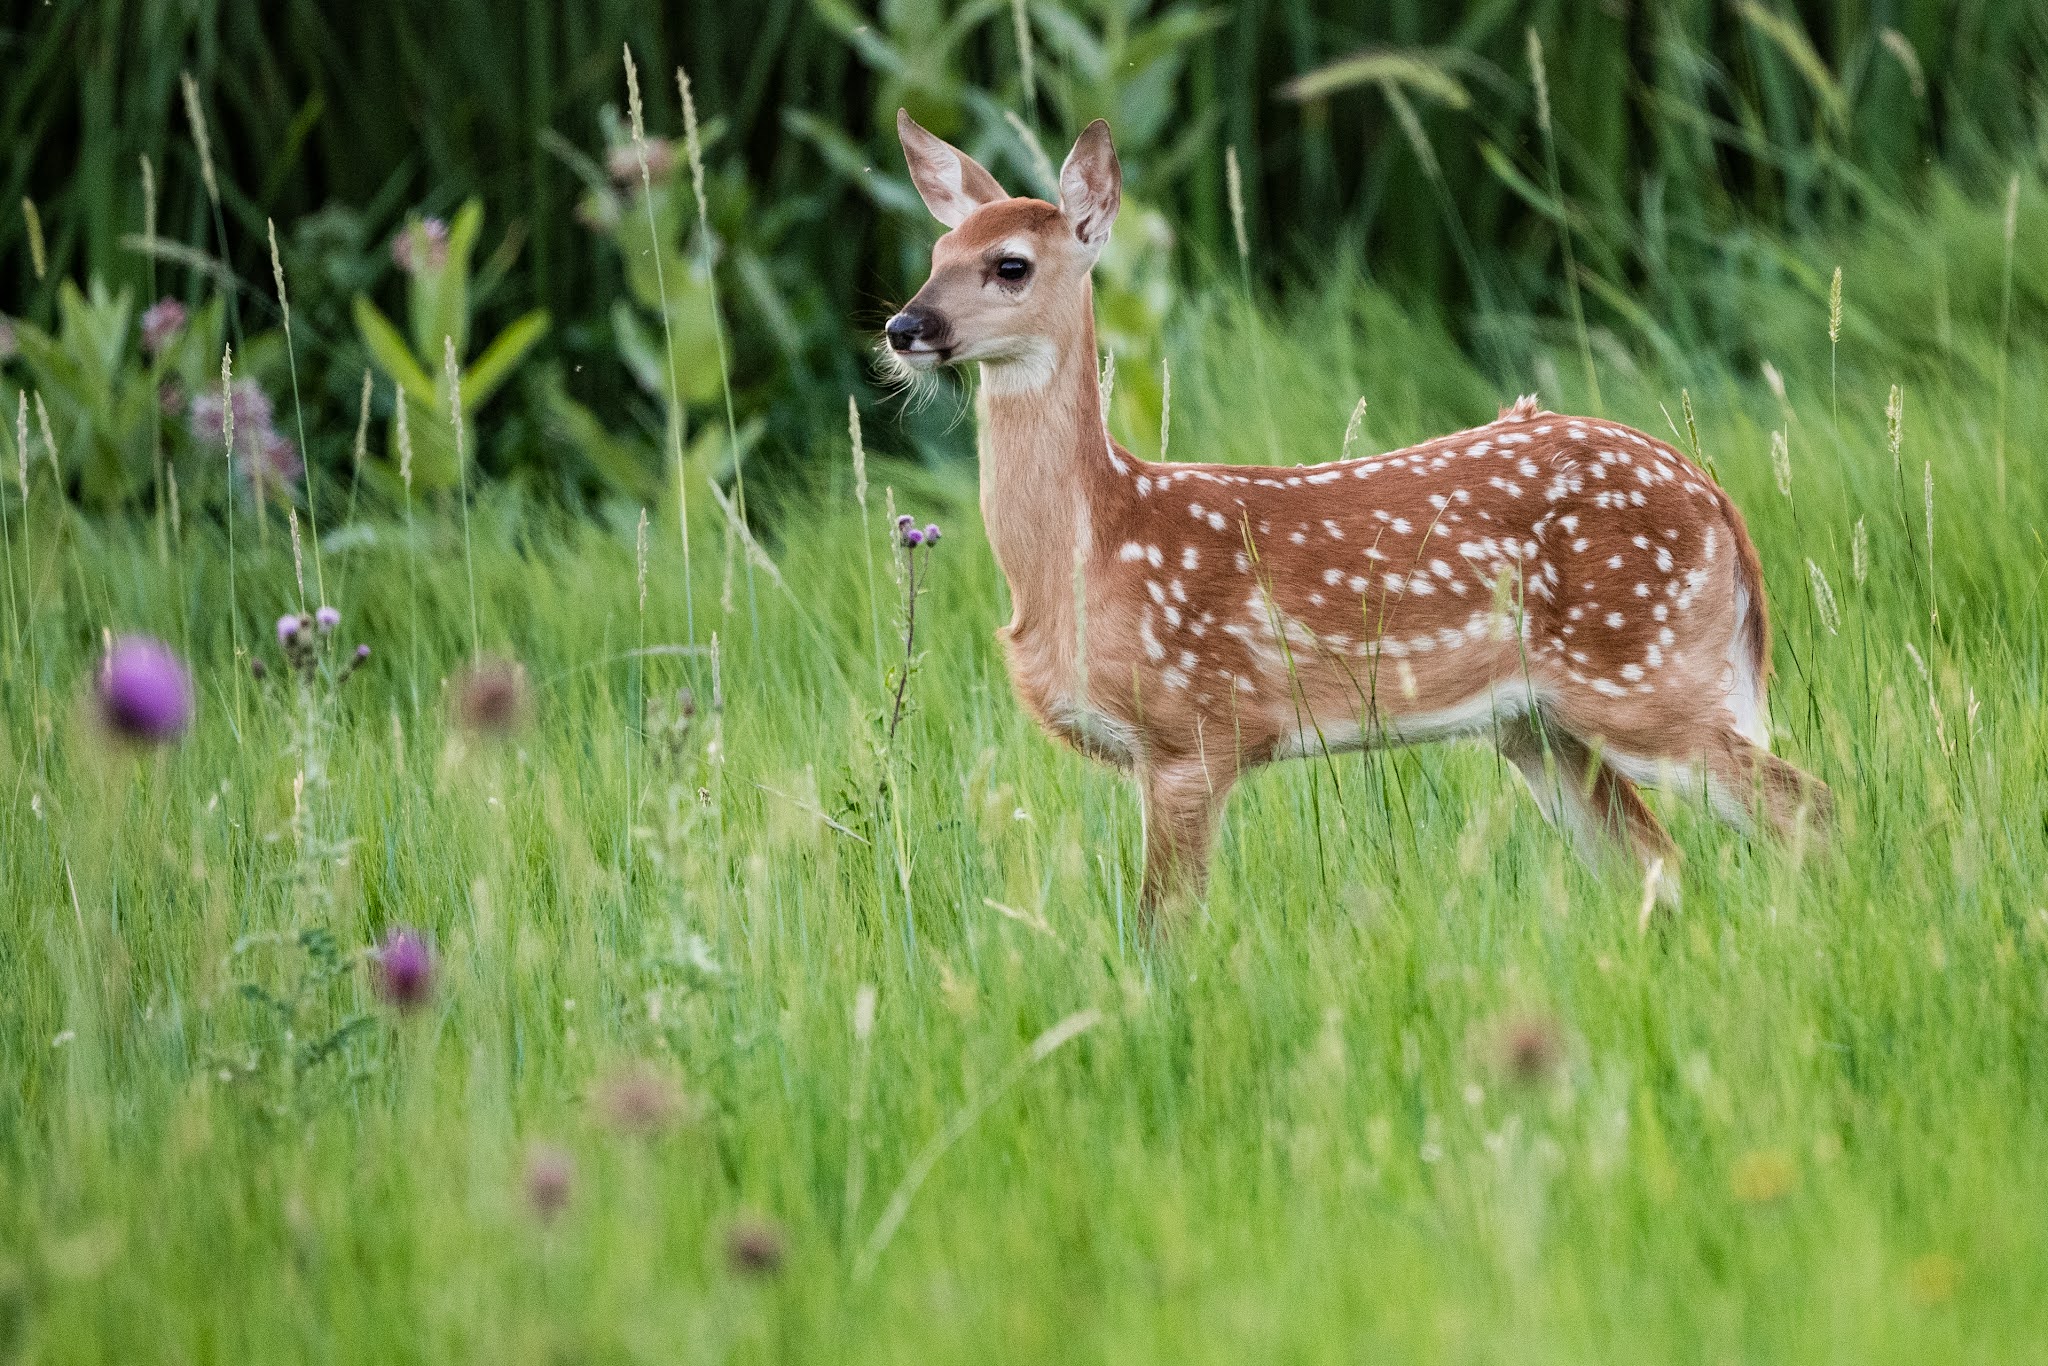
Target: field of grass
<point x="760" y="1034"/>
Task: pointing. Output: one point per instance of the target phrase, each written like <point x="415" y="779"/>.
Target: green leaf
<point x="843" y="155"/>
<point x="496" y="364"/>
<point x="1523" y="187"/>
<point x="388" y="351"/>
<point x="638" y="350"/>
<point x="1793" y="42"/>
<point x="621" y="464"/>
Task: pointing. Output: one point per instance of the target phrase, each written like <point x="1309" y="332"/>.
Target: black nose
<point x="906" y="327"/>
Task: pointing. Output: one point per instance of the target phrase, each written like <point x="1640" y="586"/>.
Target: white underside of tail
<point x="1745" y="702"/>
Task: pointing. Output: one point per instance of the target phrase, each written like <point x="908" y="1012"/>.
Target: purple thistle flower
<point x="550" y="1180"/>
<point x="931" y="534"/>
<point x="913" y="538"/>
<point x="326" y="619"/>
<point x="405" y="970"/>
<point x="643" y="1100"/>
<point x="754" y="1246"/>
<point x="491" y="698"/>
<point x="421" y="246"/>
<point x="287" y="627"/>
<point x="362" y="654"/>
<point x="904" y="521"/>
<point x="144" y="692"/>
<point x="162" y="321"/>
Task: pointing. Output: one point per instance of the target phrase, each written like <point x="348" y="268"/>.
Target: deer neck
<point x="1049" y="476"/>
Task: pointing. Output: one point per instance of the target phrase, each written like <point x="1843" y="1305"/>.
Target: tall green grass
<point x="1412" y="1085"/>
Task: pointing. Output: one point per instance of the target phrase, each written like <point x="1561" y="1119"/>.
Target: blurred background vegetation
<point x="464" y="169"/>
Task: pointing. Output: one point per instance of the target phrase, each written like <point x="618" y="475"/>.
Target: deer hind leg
<point x="1181" y="798"/>
<point x="1592" y="802"/>
<point x="1747" y="785"/>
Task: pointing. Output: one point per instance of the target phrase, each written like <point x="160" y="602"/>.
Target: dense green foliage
<point x="1689" y="138"/>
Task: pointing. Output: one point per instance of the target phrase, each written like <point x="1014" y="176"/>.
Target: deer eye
<point x="1012" y="269"/>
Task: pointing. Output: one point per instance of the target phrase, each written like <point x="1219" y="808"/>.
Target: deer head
<point x="1009" y="281"/>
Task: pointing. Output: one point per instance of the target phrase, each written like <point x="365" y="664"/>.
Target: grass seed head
<point x="1233" y="180"/>
<point x="1824" y="599"/>
<point x="196" y="117"/>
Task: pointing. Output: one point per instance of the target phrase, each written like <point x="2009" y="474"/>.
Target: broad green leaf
<point x="499" y="359"/>
<point x="388" y="350"/>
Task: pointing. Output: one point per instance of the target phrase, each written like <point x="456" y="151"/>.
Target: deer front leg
<point x="1181" y="799"/>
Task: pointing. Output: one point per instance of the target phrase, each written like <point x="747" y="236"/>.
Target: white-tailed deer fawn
<point x="1578" y="593"/>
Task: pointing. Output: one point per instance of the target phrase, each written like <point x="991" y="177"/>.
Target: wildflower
<point x="754" y="1246"/>
<point x="420" y="246"/>
<point x="491" y="698"/>
<point x="144" y="692"/>
<point x="913" y="538"/>
<point x="1529" y="1050"/>
<point x="405" y="970"/>
<point x="641" y="1101"/>
<point x="623" y="161"/>
<point x="277" y="466"/>
<point x="550" y="1179"/>
<point x="931" y="534"/>
<point x="287" y="628"/>
<point x="598" y="212"/>
<point x="326" y="619"/>
<point x="162" y="321"/>
<point x="170" y="399"/>
<point x="264" y="457"/>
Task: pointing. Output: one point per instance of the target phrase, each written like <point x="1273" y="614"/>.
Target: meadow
<point x="582" y="915"/>
<point x="759" y="1027"/>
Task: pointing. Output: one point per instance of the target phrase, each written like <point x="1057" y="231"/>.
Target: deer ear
<point x="1091" y="186"/>
<point x="952" y="183"/>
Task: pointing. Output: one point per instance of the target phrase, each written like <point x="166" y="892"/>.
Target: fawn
<point x="1577" y="592"/>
